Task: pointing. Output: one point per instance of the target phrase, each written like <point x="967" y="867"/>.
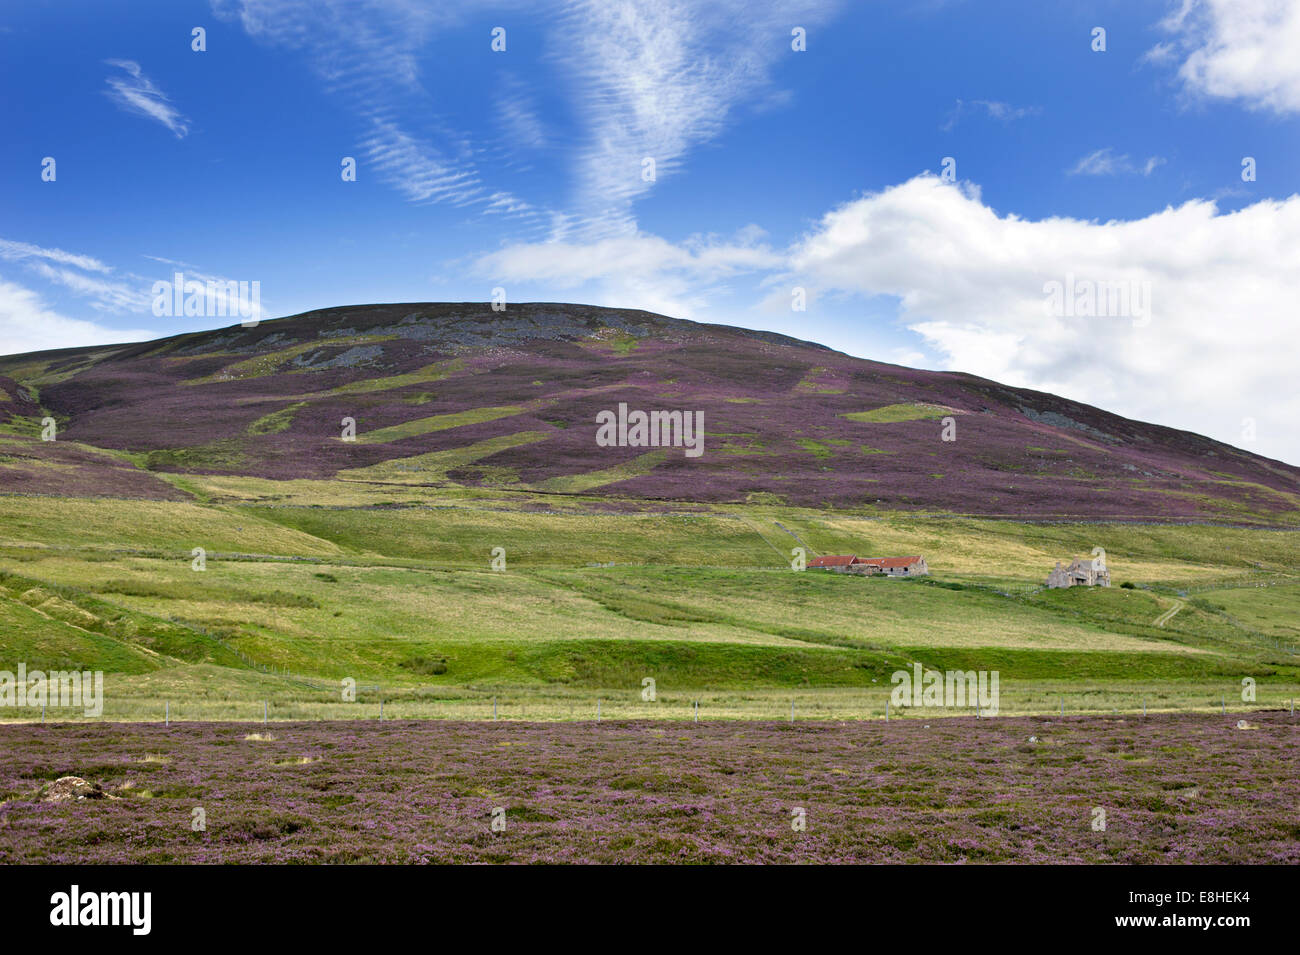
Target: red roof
<point x="888" y="561"/>
<point x="833" y="561"/>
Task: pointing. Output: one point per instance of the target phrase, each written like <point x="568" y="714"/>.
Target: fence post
<point x="597" y="709"/>
<point x="494" y="707"/>
<point x="886" y="711"/>
<point x="1062" y="706"/>
<point x="792" y="711"/>
<point x="1223" y="703"/>
<point x="167" y="713"/>
<point x="1144" y="706"/>
<point x="697" y="711"/>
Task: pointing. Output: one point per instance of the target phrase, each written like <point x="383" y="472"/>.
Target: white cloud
<point x="1246" y="50"/>
<point x="1217" y="348"/>
<point x="26" y="324"/>
<point x="137" y="94"/>
<point x="1105" y="162"/>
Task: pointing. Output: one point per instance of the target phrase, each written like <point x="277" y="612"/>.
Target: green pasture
<point x="396" y="590"/>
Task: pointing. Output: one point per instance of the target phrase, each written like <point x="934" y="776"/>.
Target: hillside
<point x="457" y="395"/>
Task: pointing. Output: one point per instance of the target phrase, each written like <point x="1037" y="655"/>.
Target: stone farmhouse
<point x="871" y="566"/>
<point x="1080" y="573"/>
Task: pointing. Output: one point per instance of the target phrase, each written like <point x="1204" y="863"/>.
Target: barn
<point x="869" y="566"/>
<point x="840" y="564"/>
<point x="897" y="566"/>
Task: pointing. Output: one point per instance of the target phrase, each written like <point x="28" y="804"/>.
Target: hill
<point x="456" y="395"/>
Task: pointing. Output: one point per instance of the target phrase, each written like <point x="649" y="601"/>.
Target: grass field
<point x="402" y="598"/>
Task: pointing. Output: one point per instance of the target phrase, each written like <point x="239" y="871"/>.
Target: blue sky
<point x="775" y="170"/>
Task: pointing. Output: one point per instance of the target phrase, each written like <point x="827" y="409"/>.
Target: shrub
<point x="434" y="666"/>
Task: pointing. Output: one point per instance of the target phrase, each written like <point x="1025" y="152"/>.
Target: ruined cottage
<point x="1080" y="573"/>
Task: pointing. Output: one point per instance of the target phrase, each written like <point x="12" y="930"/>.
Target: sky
<point x="1098" y="200"/>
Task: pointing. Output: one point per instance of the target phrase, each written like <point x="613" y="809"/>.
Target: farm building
<point x="869" y="566"/>
<point x="1080" y="573"/>
<point x="898" y="566"/>
<point x="843" y="564"/>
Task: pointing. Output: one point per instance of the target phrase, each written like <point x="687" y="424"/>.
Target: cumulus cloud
<point x="137" y="94"/>
<point x="1247" y="50"/>
<point x="1215" y="348"/>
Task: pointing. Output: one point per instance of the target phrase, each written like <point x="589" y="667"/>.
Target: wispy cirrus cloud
<point x="136" y="93"/>
<point x="655" y="79"/>
<point x="518" y="116"/>
<point x="103" y="294"/>
<point x="993" y="109"/>
<point x="1106" y="162"/>
<point x="646" y="79"/>
<point x="19" y="251"/>
<point x="416" y="169"/>
<point x="84" y="275"/>
<point x="102" y="287"/>
<point x="370" y="59"/>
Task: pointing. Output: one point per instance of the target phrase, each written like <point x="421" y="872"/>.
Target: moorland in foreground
<point x="1191" y="789"/>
